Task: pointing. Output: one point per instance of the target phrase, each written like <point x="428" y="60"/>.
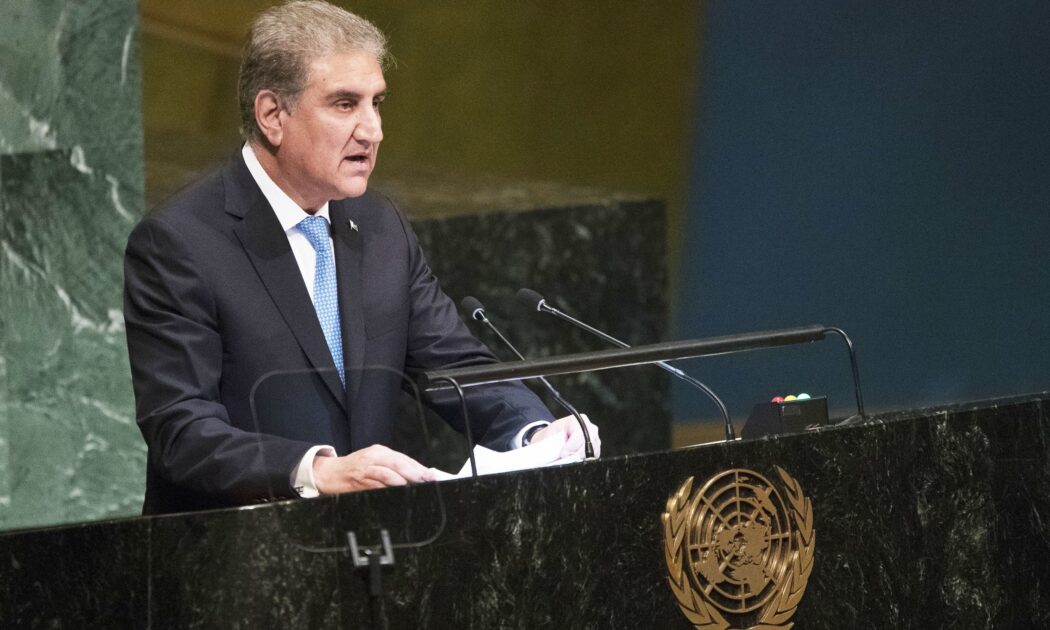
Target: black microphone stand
<point x="531" y="299"/>
<point x="476" y="310"/>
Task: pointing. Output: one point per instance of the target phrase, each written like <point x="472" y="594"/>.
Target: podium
<point x="922" y="518"/>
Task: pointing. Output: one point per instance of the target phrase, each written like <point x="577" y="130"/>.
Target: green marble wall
<point x="71" y="186"/>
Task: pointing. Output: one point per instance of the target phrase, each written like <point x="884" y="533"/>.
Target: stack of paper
<point x="536" y="455"/>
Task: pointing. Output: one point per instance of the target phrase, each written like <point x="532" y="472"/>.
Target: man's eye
<point x="345" y="105"/>
<point x="376" y="102"/>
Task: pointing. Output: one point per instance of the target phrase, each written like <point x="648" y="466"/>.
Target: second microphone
<point x="474" y="309"/>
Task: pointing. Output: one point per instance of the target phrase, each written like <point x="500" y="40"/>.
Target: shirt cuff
<point x="519" y="439"/>
<point x="303" y="476"/>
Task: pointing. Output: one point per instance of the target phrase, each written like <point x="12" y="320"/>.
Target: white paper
<point x="536" y="455"/>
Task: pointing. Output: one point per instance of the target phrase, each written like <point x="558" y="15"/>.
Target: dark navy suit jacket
<point x="217" y="315"/>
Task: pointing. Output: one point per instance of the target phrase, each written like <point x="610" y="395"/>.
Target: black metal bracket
<point x="373" y="558"/>
<point x="361" y="555"/>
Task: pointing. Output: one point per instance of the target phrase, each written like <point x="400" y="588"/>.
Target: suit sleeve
<point x="438" y="338"/>
<point x="175" y="348"/>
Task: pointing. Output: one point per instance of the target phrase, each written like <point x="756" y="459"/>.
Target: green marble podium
<point x="923" y="518"/>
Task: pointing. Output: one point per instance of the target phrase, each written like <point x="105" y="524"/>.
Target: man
<point x="275" y="308"/>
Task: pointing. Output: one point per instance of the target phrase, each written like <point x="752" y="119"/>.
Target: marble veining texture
<point x="931" y="519"/>
<point x="70" y="189"/>
<point x="70" y="77"/>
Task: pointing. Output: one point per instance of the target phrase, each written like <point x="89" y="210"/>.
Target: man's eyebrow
<point x="339" y="95"/>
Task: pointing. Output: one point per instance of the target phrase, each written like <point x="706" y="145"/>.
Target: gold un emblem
<point x="736" y="552"/>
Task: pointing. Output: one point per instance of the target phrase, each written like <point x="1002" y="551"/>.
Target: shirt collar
<point x="288" y="212"/>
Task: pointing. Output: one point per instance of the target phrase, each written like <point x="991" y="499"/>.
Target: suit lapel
<point x="267" y="246"/>
<point x="349" y="247"/>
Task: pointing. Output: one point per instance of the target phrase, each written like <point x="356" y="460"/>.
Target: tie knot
<point x="316" y="231"/>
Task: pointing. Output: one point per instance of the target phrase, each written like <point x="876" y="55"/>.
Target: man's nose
<point x="369" y="128"/>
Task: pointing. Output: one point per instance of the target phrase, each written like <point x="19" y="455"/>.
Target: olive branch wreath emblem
<point x="701" y="610"/>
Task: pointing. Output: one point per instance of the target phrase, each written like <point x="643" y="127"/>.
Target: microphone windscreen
<point x="471" y="305"/>
<point x="528" y="299"/>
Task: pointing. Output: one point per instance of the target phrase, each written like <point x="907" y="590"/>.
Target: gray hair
<point x="284" y="41"/>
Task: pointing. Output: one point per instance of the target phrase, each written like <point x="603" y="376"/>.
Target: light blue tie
<point x="326" y="298"/>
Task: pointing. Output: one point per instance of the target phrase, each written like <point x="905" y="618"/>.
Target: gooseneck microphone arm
<point x="534" y="301"/>
<point x="474" y="308"/>
<point x="853" y="366"/>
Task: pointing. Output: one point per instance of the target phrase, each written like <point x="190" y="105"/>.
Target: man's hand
<point x="373" y="467"/>
<point x="568" y="428"/>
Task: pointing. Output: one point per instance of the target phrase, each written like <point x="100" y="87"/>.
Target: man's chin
<point x="354" y="188"/>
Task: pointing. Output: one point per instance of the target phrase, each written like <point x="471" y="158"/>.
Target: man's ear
<point x="268" y="110"/>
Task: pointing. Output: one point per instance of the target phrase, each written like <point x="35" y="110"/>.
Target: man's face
<point x="331" y="137"/>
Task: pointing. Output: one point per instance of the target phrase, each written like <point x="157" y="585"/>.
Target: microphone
<point x="533" y="301"/>
<point x="473" y="307"/>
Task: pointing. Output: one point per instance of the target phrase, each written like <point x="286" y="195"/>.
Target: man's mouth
<point x="359" y="158"/>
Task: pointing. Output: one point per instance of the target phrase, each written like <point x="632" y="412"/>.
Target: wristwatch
<point x="527" y="438"/>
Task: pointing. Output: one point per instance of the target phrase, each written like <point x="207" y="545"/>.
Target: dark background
<point x="883" y="167"/>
